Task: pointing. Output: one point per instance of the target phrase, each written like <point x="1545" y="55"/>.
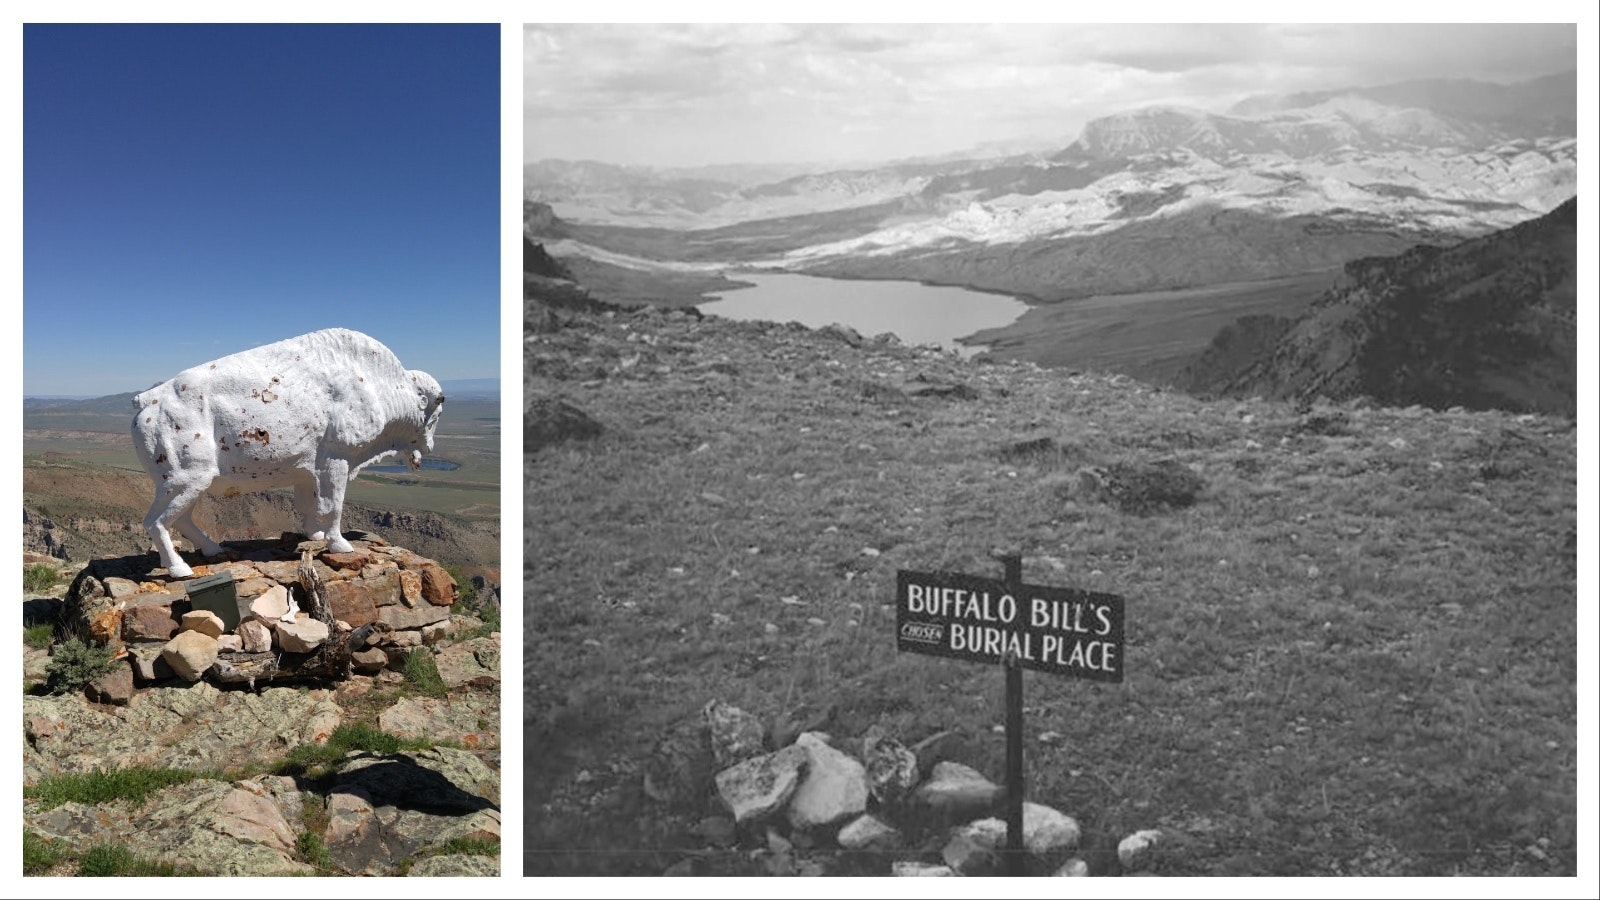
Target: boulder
<point x="410" y="587"/>
<point x="351" y="601"/>
<point x="203" y="621"/>
<point x="255" y="636"/>
<point x="475" y="662"/>
<point x="735" y="734"/>
<point x="303" y="635"/>
<point x="438" y="587"/>
<point x="106" y="626"/>
<point x="1044" y="831"/>
<point x="974" y="848"/>
<point x="1072" y="868"/>
<point x="190" y="654"/>
<point x="148" y="663"/>
<point x="369" y="660"/>
<point x="834" y="787"/>
<point x="758" y="788"/>
<point x="955" y="792"/>
<point x="1134" y="850"/>
<point x="400" y="618"/>
<point x="114" y="687"/>
<point x="868" y="833"/>
<point x="891" y="767"/>
<point x="272" y="605"/>
<point x="148" y="621"/>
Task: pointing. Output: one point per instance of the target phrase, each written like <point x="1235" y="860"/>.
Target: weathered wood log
<point x="233" y="668"/>
<point x="332" y="659"/>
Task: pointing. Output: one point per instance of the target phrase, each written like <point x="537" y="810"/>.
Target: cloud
<point x="714" y="92"/>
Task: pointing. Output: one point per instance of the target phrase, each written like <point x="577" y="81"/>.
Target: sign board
<point x="1049" y="629"/>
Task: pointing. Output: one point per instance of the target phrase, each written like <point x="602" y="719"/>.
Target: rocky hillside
<point x="717" y="512"/>
<point x="1487" y="323"/>
<point x="78" y="511"/>
<point x="132" y="766"/>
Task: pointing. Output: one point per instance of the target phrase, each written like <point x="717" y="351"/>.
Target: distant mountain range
<point x="1147" y="199"/>
<point x="459" y="389"/>
<point x="1488" y="323"/>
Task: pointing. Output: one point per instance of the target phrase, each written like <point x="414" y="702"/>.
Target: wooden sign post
<point x="1062" y="630"/>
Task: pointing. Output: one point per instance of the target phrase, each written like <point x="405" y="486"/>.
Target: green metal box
<point x="217" y="595"/>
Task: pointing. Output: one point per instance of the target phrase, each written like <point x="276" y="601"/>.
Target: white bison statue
<point x="307" y="412"/>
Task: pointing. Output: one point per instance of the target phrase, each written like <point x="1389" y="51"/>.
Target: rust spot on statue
<point x="162" y="458"/>
<point x="256" y="434"/>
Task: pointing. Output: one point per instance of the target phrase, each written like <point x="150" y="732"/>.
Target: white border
<point x="511" y="16"/>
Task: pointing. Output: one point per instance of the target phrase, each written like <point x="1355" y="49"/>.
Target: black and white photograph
<point x="1058" y="450"/>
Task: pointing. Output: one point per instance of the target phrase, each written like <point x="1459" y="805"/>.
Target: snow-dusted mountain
<point x="1275" y="185"/>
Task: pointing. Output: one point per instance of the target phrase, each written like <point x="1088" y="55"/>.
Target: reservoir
<point x="438" y="465"/>
<point x="917" y="313"/>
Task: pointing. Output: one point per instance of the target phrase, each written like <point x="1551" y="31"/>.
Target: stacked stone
<point x="865" y="796"/>
<point x="391" y="599"/>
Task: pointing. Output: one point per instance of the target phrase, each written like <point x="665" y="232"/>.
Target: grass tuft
<point x="422" y="673"/>
<point x="39" y="854"/>
<point x="310" y="847"/>
<point x="319" y="760"/>
<point x="39" y="578"/>
<point x="108" y="785"/>
<point x="117" y="861"/>
<point x="39" y="637"/>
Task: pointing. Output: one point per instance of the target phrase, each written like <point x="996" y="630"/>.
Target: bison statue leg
<point x="202" y="542"/>
<point x="313" y="526"/>
<point x="332" y="476"/>
<point x="171" y="506"/>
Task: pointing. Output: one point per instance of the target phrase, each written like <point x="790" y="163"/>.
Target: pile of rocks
<point x="302" y="612"/>
<point x="871" y="798"/>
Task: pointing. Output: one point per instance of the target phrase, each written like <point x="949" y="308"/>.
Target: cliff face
<point x="1490" y="323"/>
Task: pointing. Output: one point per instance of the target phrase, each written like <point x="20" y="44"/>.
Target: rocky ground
<point x="1351" y="644"/>
<point x="230" y="781"/>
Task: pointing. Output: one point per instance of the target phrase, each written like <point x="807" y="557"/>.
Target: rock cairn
<point x="869" y="803"/>
<point x="303" y="613"/>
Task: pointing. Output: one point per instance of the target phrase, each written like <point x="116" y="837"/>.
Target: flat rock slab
<point x="475" y="662"/>
<point x="197" y="727"/>
<point x="471" y="719"/>
<point x="221" y="828"/>
<point x="456" y="865"/>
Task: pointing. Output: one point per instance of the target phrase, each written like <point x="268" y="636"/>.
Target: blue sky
<point x="191" y="191"/>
